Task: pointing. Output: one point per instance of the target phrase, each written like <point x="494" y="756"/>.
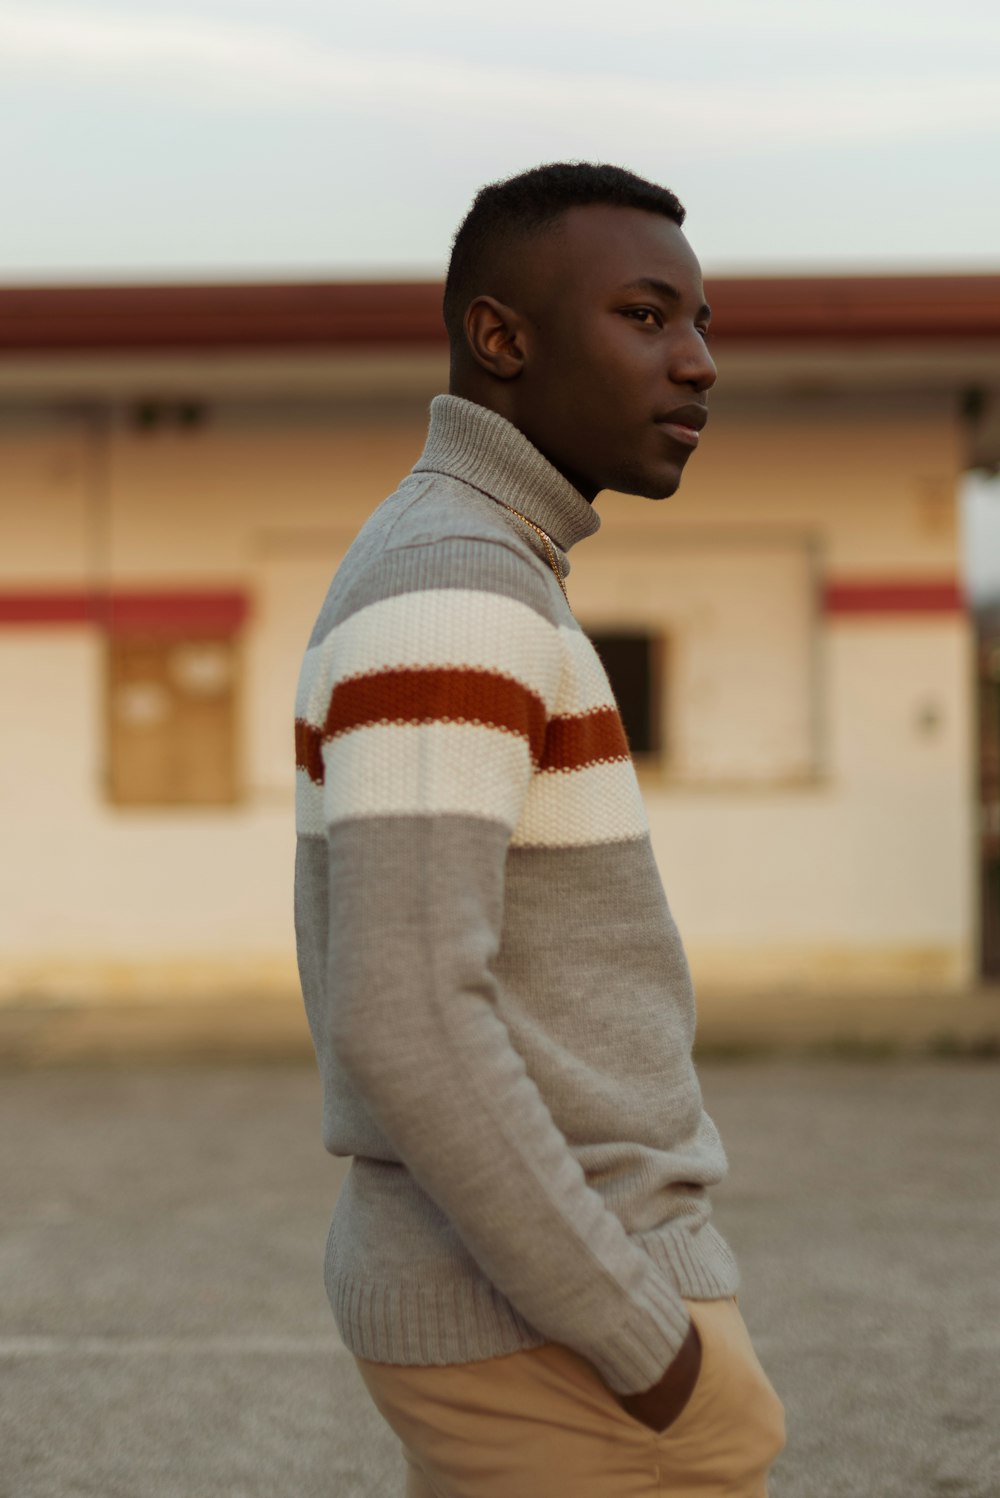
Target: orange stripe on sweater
<point x="414" y="696"/>
<point x="309" y="750"/>
<point x="452" y="695"/>
<point x="593" y="738"/>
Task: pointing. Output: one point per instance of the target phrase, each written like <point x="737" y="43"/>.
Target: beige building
<point x="181" y="470"/>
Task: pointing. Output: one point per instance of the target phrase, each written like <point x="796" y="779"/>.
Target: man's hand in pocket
<point x="660" y="1406"/>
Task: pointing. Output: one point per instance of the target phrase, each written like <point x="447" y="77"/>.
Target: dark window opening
<point x="633" y="662"/>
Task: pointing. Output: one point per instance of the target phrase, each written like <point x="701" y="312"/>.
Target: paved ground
<point x="164" y="1329"/>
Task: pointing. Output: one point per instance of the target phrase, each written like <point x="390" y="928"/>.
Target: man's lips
<point x="680" y="433"/>
<point x="685" y="424"/>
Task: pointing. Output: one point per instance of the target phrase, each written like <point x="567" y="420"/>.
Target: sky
<point x="248" y="138"/>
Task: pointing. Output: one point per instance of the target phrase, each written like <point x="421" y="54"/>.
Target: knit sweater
<point x="497" y="992"/>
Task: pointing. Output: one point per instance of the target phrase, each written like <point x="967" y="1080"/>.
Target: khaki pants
<point x="541" y="1424"/>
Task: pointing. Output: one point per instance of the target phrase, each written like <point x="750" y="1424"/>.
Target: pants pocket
<point x="733" y="1426"/>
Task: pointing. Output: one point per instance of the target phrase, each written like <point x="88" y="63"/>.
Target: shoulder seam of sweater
<point x="431" y="480"/>
<point x="523" y="553"/>
<point x="422" y="487"/>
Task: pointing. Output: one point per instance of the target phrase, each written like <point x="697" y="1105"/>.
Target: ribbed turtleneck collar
<point x="473" y="443"/>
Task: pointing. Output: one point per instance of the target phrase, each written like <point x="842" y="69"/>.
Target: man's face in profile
<point x="617" y="371"/>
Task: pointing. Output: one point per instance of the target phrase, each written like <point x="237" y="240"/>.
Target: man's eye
<point x="645" y="315"/>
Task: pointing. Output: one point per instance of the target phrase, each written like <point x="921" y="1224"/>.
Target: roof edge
<point x="764" y="310"/>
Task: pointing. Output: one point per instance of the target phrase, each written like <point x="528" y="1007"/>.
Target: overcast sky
<point x="252" y="137"/>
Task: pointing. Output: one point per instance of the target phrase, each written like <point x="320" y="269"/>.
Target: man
<point x="521" y="1258"/>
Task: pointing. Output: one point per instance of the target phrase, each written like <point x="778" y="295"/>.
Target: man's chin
<point x="647" y="485"/>
<point x="655" y="478"/>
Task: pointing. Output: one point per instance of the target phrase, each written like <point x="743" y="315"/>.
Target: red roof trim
<point x="749" y="309"/>
<point x="127" y="318"/>
<point x="894" y="596"/>
<point x="132" y="612"/>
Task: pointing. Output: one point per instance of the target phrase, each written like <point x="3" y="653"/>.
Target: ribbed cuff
<point x="648" y="1340"/>
<point x="697" y="1266"/>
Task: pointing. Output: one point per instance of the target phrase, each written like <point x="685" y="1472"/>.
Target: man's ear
<point x="494" y="335"/>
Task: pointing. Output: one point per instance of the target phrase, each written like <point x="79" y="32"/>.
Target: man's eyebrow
<point x="665" y="290"/>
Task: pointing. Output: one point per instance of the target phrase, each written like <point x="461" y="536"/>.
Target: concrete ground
<point x="164" y="1329"/>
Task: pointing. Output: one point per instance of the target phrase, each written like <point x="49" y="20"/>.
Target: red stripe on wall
<point x="894" y="596"/>
<point x="46" y="608"/>
<point x="131" y="612"/>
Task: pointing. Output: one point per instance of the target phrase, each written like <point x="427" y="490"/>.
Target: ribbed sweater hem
<point x="466" y="1319"/>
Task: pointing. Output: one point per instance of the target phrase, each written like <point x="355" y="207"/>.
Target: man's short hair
<point x="519" y="207"/>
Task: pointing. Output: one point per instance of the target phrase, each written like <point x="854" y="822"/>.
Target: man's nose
<point x="693" y="365"/>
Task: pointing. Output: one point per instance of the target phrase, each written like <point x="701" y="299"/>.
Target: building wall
<point x="824" y="832"/>
<point x="812" y="816"/>
<point x="105" y="900"/>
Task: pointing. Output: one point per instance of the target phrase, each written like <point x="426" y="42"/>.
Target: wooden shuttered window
<point x="172" y="720"/>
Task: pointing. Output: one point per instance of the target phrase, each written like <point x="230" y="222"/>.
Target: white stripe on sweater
<point x="573" y="809"/>
<point x="440" y="768"/>
<point x="456" y="628"/>
<point x="426" y="769"/>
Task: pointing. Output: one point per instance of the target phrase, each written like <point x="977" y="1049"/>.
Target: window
<point x="172" y="720"/>
<point x="634" y="663"/>
<point x="712" y="644"/>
